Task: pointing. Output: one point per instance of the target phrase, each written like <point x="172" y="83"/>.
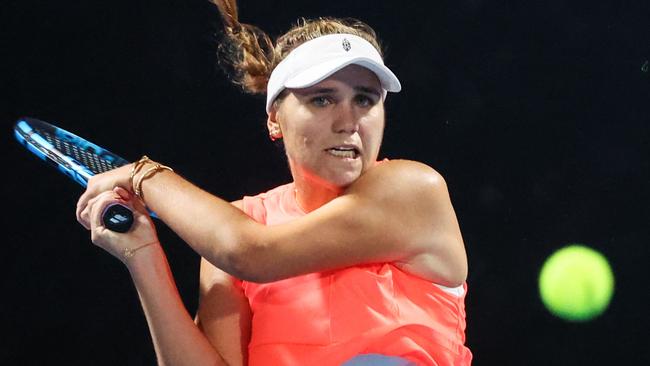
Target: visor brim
<point x="323" y="70"/>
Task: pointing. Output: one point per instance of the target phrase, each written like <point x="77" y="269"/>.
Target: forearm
<point x="177" y="340"/>
<point x="229" y="239"/>
<point x="213" y="227"/>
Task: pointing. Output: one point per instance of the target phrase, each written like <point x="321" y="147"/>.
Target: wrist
<point x="136" y="168"/>
<point x="130" y="252"/>
<point x="142" y="170"/>
<point x="142" y="256"/>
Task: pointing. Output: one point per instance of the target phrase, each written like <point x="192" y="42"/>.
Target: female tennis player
<point x="356" y="261"/>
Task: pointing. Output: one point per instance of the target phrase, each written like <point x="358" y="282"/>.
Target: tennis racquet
<point x="75" y="157"/>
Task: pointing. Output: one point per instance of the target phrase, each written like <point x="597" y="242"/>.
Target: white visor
<point x="317" y="59"/>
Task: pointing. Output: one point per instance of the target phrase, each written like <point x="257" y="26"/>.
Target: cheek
<point x="301" y="140"/>
<point x="373" y="130"/>
<point x="372" y="136"/>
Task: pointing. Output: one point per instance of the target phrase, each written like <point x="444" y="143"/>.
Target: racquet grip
<point x="117" y="217"/>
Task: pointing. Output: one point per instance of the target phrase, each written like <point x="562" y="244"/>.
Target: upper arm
<point x="399" y="211"/>
<point x="224" y="315"/>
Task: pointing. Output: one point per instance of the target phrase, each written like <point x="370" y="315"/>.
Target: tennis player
<point x="355" y="262"/>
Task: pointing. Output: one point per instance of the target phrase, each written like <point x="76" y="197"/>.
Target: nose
<point x="346" y="119"/>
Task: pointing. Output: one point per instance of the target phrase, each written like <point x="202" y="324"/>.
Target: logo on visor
<point x="346" y="45"/>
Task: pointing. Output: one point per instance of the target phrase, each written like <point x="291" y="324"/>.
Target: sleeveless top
<point x="328" y="318"/>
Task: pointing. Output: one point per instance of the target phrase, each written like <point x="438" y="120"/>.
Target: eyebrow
<point x="369" y="90"/>
<point x="316" y="91"/>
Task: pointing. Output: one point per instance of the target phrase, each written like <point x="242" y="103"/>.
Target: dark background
<point x="535" y="112"/>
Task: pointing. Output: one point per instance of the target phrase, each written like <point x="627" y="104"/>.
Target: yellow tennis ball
<point x="576" y="283"/>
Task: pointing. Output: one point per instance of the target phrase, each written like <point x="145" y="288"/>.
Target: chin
<point x="335" y="177"/>
<point x="343" y="180"/>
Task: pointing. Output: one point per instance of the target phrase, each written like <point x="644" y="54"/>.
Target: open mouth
<point x="344" y="152"/>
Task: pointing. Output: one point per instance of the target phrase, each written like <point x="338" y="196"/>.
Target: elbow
<point x="242" y="253"/>
<point x="240" y="267"/>
<point x="245" y="270"/>
<point x="246" y="262"/>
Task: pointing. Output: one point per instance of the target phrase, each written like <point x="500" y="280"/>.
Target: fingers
<point x="82" y="209"/>
<point x="123" y="193"/>
<point x="136" y="205"/>
<point x="98" y="184"/>
<point x="87" y="201"/>
<point x="106" y="189"/>
<point x="98" y="205"/>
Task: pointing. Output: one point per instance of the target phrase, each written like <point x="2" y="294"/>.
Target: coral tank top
<point x="337" y="317"/>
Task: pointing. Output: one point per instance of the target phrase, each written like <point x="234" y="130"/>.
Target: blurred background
<point x="537" y="114"/>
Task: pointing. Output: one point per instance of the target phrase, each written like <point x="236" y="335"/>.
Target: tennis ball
<point x="576" y="283"/>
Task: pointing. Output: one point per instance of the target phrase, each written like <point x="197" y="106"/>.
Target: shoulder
<point x="403" y="166"/>
<point x="407" y="171"/>
<point x="400" y="178"/>
<point x="413" y="197"/>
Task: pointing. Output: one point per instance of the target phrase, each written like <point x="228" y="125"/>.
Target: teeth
<point x="344" y="153"/>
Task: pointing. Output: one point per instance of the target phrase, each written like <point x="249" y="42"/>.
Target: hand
<point x="101" y="183"/>
<point x="142" y="232"/>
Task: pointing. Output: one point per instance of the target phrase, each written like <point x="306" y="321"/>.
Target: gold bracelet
<point x="128" y="252"/>
<point x="136" y="168"/>
<point x="148" y="173"/>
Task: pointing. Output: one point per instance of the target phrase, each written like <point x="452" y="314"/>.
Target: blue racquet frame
<point x="75" y="157"/>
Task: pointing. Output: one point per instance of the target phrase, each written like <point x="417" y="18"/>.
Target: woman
<point x="354" y="262"/>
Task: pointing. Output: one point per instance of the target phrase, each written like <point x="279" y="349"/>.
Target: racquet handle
<point x="117" y="217"/>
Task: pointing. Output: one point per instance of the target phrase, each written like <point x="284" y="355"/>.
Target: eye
<point x="321" y="101"/>
<point x="364" y="100"/>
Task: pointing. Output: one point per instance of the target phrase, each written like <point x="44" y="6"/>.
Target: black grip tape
<point x="117" y="217"/>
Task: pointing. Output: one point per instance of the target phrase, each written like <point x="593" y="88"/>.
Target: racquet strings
<point x="89" y="159"/>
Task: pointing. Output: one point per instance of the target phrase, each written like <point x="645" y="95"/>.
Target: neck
<point x="313" y="193"/>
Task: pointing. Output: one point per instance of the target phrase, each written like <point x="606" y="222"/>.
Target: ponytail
<point x="246" y="52"/>
<point x="248" y="55"/>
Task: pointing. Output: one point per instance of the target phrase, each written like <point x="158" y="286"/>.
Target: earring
<point x="275" y="134"/>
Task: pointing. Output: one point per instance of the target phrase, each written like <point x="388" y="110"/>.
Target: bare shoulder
<point x="406" y="168"/>
<point x="412" y="199"/>
<point x="401" y="178"/>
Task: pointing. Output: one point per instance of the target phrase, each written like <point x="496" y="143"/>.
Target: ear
<point x="275" y="132"/>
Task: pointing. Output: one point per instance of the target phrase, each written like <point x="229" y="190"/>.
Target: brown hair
<point x="249" y="56"/>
